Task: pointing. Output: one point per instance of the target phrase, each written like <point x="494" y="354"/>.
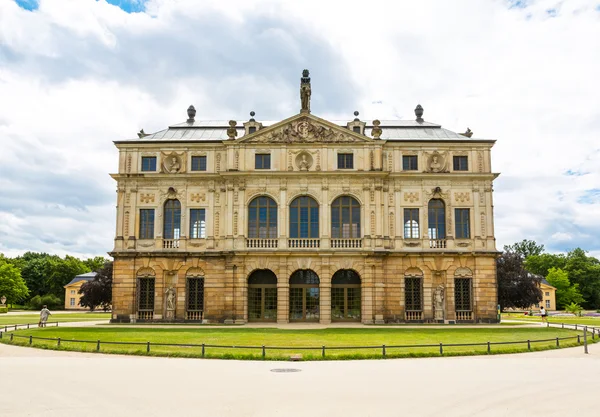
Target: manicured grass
<point x="298" y="339"/>
<point x="590" y="321"/>
<point x="33" y="318"/>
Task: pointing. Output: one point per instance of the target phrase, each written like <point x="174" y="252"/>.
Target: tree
<point x="525" y="248"/>
<point x="565" y="292"/>
<point x="516" y="287"/>
<point x="541" y="264"/>
<point x="96" y="263"/>
<point x="12" y="285"/>
<point x="98" y="292"/>
<point x="584" y="271"/>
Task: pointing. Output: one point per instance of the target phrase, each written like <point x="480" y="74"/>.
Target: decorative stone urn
<point x="3" y="301"/>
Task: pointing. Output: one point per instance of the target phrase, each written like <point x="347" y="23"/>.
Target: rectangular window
<point x="146" y="223"/>
<point x="411" y="223"/>
<point x="410" y="163"/>
<point x="463" y="224"/>
<point x="547" y="294"/>
<point x="72" y="302"/>
<point x="547" y="303"/>
<point x="251" y="129"/>
<point x="148" y="163"/>
<point x="262" y="161"/>
<point x="345" y="161"/>
<point x="356" y="129"/>
<point x="197" y="224"/>
<point x="198" y="163"/>
<point x="145" y="294"/>
<point x="413" y="299"/>
<point x="462" y="294"/>
<point x="195" y="292"/>
<point x="461" y="163"/>
<point x="73" y="292"/>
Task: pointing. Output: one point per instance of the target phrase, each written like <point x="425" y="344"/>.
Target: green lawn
<point x="590" y="321"/>
<point x="299" y="339"/>
<point x="33" y="318"/>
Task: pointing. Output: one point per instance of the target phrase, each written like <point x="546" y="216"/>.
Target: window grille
<point x="413" y="294"/>
<point x="145" y="298"/>
<point x="462" y="294"/>
<point x="195" y="298"/>
<point x="146" y="223"/>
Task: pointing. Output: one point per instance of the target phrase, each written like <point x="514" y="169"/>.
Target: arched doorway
<point x="304" y="296"/>
<point x="262" y="296"/>
<point x="345" y="296"/>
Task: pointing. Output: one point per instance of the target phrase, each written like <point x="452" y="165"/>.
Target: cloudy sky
<point x="77" y="74"/>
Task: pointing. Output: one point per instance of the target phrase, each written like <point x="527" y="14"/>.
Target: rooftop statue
<point x="305" y="92"/>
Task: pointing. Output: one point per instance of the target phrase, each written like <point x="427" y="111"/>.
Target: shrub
<point x="574" y="308"/>
<point x="49" y="300"/>
<point x="3" y="310"/>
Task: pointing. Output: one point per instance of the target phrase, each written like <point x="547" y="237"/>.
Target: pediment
<point x="304" y="128"/>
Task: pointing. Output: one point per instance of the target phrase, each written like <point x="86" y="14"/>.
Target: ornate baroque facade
<point x="305" y="219"/>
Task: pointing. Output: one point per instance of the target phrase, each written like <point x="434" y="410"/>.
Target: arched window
<point x="304" y="295"/>
<point x="345" y="218"/>
<point x="345" y="295"/>
<point x="172" y="220"/>
<point x="262" y="218"/>
<point x="437" y="219"/>
<point x="304" y="218"/>
<point x="262" y="296"/>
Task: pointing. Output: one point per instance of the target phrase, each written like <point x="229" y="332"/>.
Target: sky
<point x="75" y="75"/>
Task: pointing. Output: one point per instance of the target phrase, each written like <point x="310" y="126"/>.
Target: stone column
<point x="283" y="299"/>
<point x="325" y="293"/>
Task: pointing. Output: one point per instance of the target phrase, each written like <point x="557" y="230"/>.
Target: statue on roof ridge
<point x="305" y="92"/>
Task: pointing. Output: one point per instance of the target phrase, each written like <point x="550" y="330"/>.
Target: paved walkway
<point x="35" y="382"/>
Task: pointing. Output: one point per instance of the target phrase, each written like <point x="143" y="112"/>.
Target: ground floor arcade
<point x="282" y="289"/>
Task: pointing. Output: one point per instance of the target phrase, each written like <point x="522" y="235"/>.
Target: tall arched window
<point x="262" y="218"/>
<point x="172" y="220"/>
<point x="437" y="219"/>
<point x="345" y="295"/>
<point x="345" y="218"/>
<point x="304" y="295"/>
<point x="304" y="218"/>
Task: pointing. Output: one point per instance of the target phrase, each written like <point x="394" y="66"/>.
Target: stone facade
<point x="218" y="169"/>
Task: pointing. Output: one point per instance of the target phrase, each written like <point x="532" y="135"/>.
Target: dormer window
<point x="251" y="129"/>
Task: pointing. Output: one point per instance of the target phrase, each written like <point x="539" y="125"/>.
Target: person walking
<point x="544" y="314"/>
<point x="44" y="316"/>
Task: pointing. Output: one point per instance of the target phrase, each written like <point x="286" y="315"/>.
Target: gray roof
<point x="216" y="130"/>
<point x="546" y="282"/>
<point x="88" y="276"/>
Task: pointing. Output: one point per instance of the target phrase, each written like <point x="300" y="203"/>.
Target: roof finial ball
<point x="356" y="113"/>
<point x="419" y="113"/>
<point x="252" y="116"/>
<point x="191" y="111"/>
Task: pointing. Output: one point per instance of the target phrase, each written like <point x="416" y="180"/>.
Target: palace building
<point x="305" y="219"/>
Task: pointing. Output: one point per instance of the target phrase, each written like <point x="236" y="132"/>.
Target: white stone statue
<point x="175" y="165"/>
<point x="170" y="299"/>
<point x="438" y="303"/>
<point x="303" y="164"/>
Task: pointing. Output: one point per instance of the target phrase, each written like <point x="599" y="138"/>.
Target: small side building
<point x="548" y="296"/>
<point x="72" y="295"/>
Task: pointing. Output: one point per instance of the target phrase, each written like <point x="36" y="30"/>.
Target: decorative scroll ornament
<point x="147" y="198"/>
<point x="462" y="197"/>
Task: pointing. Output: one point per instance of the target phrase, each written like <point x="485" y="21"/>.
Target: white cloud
<point x="93" y="74"/>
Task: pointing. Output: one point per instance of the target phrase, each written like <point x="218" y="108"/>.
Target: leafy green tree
<point x="542" y="263"/>
<point x="96" y="263"/>
<point x="565" y="292"/>
<point x="584" y="271"/>
<point x="516" y="287"/>
<point x="525" y="248"/>
<point x="98" y="292"/>
<point x="12" y="285"/>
